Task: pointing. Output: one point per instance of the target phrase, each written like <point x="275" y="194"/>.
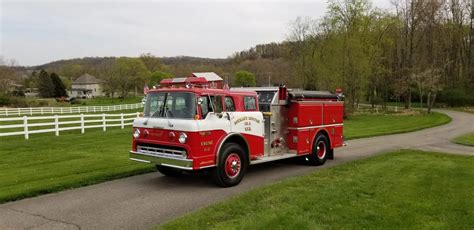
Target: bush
<point x="4" y="100"/>
<point x="456" y="97"/>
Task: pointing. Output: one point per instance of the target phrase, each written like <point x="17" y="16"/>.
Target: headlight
<point x="136" y="133"/>
<point x="182" y="138"/>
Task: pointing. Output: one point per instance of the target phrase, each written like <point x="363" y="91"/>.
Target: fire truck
<point x="191" y="124"/>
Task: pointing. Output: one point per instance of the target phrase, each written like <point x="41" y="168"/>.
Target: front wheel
<point x="321" y="150"/>
<point x="232" y="165"/>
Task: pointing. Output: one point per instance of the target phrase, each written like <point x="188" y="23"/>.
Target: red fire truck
<point x="188" y="125"/>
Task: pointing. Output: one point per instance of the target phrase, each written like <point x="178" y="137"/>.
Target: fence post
<point x="61" y="110"/>
<point x="104" y="125"/>
<point x="82" y="123"/>
<point x="6" y="112"/>
<point x="121" y="120"/>
<point x="41" y="110"/>
<point x="25" y="124"/>
<point x="19" y="114"/>
<point x="56" y="125"/>
<point x="31" y="111"/>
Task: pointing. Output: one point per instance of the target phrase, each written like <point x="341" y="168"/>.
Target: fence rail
<point x="26" y="125"/>
<point x="65" y="110"/>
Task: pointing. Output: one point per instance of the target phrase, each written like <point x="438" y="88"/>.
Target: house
<point x="86" y="86"/>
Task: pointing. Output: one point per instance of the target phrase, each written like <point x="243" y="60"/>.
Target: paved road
<point x="143" y="201"/>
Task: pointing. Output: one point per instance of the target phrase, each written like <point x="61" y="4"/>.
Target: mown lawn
<point x="402" y="190"/>
<point x="466" y="139"/>
<point x="368" y="125"/>
<point x="46" y="163"/>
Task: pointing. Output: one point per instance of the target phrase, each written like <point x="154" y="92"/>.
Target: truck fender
<point x="326" y="133"/>
<point x="233" y="137"/>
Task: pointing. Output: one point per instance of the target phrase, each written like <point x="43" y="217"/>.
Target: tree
<point x="8" y="75"/>
<point x="45" y="85"/>
<point x="151" y="62"/>
<point x="244" y="78"/>
<point x="59" y="88"/>
<point x="129" y="73"/>
<point x="157" y="76"/>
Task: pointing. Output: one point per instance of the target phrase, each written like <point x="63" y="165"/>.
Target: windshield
<point x="179" y="105"/>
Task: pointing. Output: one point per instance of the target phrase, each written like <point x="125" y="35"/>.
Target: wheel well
<point x="238" y="139"/>
<point x="325" y="133"/>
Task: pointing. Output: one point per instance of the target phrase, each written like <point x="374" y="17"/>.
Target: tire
<point x="232" y="165"/>
<point x="321" y="150"/>
<point x="167" y="171"/>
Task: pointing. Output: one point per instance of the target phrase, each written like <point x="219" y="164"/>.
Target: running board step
<point x="272" y="158"/>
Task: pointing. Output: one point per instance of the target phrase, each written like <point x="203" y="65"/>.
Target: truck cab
<point x="189" y="127"/>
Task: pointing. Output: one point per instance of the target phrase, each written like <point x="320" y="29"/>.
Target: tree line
<point x="417" y="49"/>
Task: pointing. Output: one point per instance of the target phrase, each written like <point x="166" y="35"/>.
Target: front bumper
<point x="169" y="161"/>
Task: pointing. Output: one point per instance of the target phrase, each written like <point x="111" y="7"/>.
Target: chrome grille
<point x="161" y="152"/>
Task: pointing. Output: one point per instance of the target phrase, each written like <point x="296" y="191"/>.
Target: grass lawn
<point x="466" y="139"/>
<point x="47" y="163"/>
<point x="403" y="190"/>
<point x="368" y="125"/>
<point x="103" y="101"/>
<point x="51" y="102"/>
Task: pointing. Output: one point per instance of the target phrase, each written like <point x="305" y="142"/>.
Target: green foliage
<point x="4" y="100"/>
<point x="45" y="85"/>
<point x="157" y="76"/>
<point x="456" y="97"/>
<point x="129" y="73"/>
<point x="245" y="79"/>
<point x="59" y="88"/>
<point x="407" y="189"/>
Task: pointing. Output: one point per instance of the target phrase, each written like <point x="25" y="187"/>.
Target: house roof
<point x="86" y="79"/>
<point x="210" y="76"/>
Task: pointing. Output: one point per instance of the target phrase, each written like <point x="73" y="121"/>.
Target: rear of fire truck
<point x="195" y="128"/>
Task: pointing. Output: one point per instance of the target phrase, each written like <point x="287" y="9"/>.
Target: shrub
<point x="456" y="97"/>
<point x="4" y="100"/>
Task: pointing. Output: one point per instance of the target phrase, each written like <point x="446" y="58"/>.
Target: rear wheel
<point x="321" y="150"/>
<point x="167" y="171"/>
<point x="232" y="165"/>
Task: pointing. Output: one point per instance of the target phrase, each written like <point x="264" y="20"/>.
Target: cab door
<point x="249" y="123"/>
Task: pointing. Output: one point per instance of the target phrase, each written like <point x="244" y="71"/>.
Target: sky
<point x="41" y="31"/>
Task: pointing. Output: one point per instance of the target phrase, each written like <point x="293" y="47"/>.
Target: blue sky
<point x="37" y="32"/>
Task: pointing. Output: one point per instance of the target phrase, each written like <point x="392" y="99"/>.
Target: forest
<point x="415" y="51"/>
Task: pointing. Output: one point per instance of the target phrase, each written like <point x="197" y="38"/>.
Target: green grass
<point x="47" y="163"/>
<point x="51" y="102"/>
<point x="368" y="125"/>
<point x="466" y="139"/>
<point x="403" y="190"/>
<point x="104" y="101"/>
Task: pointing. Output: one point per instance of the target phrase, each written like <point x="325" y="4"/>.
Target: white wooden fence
<point x="58" y="123"/>
<point x="65" y="110"/>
